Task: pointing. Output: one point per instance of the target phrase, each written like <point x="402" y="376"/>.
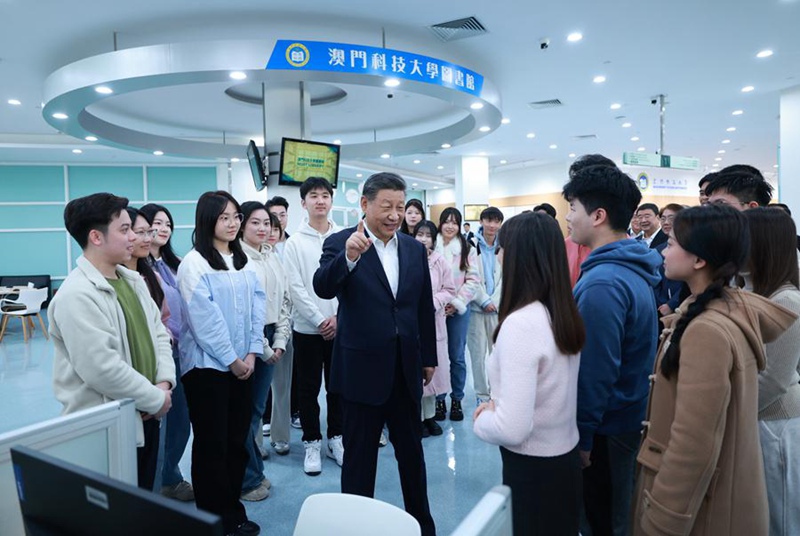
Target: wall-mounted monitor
<point x="473" y="212"/>
<point x="256" y="166"/>
<point x="301" y="159"/>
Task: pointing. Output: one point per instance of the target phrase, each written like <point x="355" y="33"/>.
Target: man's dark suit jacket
<point x="370" y="321"/>
<point x="660" y="238"/>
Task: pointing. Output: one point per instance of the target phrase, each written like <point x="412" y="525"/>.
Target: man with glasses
<point x="648" y="221"/>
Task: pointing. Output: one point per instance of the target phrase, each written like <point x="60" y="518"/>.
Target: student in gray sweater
<point x="774" y="274"/>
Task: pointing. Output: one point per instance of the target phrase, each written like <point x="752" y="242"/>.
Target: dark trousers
<point x="147" y="456"/>
<point x="608" y="484"/>
<point x="313" y="362"/>
<point x="220" y="411"/>
<point x="177" y="431"/>
<point x="362" y="430"/>
<point x="545" y="492"/>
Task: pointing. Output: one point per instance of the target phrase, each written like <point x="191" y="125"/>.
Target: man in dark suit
<point x="385" y="345"/>
<point x="648" y="220"/>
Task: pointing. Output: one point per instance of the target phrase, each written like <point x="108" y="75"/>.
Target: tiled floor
<point x="461" y="468"/>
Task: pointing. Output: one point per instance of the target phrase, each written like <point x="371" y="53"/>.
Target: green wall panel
<point x="49" y="256"/>
<point x="31" y="216"/>
<point x="180" y="183"/>
<point x="122" y="181"/>
<point x="181" y="214"/>
<point x="182" y="241"/>
<point x="31" y="183"/>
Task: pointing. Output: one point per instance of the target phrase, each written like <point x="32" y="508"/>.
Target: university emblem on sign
<point x="297" y="55"/>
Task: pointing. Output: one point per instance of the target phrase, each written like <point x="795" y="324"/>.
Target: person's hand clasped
<point x="665" y="310"/>
<point x="490" y="308"/>
<point x="427" y="374"/>
<point x="241" y="369"/>
<point x="586" y="458"/>
<point x="484" y="406"/>
<point x="449" y="310"/>
<point x="276" y="356"/>
<point x="357" y="244"/>
<point x="328" y="328"/>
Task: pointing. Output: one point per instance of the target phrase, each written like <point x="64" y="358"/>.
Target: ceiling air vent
<point x="541" y="105"/>
<point x="581" y="137"/>
<point x="458" y="29"/>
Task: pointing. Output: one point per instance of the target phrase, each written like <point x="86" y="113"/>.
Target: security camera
<point x="654" y="101"/>
<point x="390" y="95"/>
<point x="544" y="43"/>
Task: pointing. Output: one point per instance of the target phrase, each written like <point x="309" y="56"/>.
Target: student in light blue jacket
<point x="221" y="336"/>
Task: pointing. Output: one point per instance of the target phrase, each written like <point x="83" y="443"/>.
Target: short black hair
<point x="649" y="206"/>
<point x="382" y="181"/>
<point x="315" y="183"/>
<point x="589" y="160"/>
<point x="742" y="184"/>
<point x="277" y="201"/>
<point x="92" y="213"/>
<point x="707" y="178"/>
<point x="547" y="208"/>
<point x="606" y="187"/>
<point x="492" y="214"/>
<point x="466" y="224"/>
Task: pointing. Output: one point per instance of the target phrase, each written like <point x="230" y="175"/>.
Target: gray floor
<point x="461" y="468"/>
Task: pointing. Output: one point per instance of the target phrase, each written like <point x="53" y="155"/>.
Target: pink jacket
<point x="468" y="283"/>
<point x="443" y="292"/>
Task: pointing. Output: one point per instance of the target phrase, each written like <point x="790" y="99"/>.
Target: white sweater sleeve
<point x="302" y="302"/>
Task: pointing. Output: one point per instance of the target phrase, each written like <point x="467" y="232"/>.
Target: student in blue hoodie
<point x="615" y="296"/>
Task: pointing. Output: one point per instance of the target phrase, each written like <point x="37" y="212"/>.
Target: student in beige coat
<point x="700" y="466"/>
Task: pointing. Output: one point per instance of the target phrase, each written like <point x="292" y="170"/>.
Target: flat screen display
<point x="256" y="166"/>
<point x="301" y="159"/>
<point x="473" y="212"/>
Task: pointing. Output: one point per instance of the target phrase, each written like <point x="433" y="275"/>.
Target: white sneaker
<point x="281" y="447"/>
<point x="313" y="463"/>
<point x="266" y="429"/>
<point x="336" y="449"/>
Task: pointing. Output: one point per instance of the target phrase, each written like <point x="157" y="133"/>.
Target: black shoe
<point x="248" y="528"/>
<point x="432" y="428"/>
<point x="456" y="414"/>
<point x="425" y="431"/>
<point x="441" y="411"/>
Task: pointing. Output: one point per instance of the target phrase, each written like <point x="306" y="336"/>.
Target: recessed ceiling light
<point x="615" y="106"/>
<point x="766" y="53"/>
<point x="554" y="146"/>
<point x="90" y="138"/>
<point x="77" y="151"/>
<point x="572" y="155"/>
<point x="641" y="149"/>
<point x="386" y="155"/>
<point x="359" y="175"/>
<point x="414" y="184"/>
<point x="234" y="160"/>
<point x="476" y="105"/>
<point x="417" y="161"/>
<point x="104" y="90"/>
<point x="337" y="142"/>
<point x="718" y="159"/>
<point x="485" y="128"/>
<point x="158" y="153"/>
<point x="626" y="125"/>
<point x="504" y="161"/>
<point x="599" y="79"/>
<point x="238" y="75"/>
<point x="726" y="141"/>
<point x="737" y="112"/>
<point x="60" y="115"/>
<point x="435" y="187"/>
<point x="392" y="82"/>
<point x="775" y="166"/>
<point x="635" y="138"/>
<point x="530" y="135"/>
<point x="574" y="37"/>
<point x="506" y="120"/>
<point x="730" y="129"/>
<point x="446" y="146"/>
<point x="14" y="102"/>
<point x="747" y="89"/>
<point x="721" y="151"/>
<point x="439" y="167"/>
<point x="714" y="165"/>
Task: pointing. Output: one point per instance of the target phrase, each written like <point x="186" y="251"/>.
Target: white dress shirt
<point x="387" y="254"/>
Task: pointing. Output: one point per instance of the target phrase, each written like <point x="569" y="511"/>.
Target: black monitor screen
<point x="58" y="498"/>
<point x="301" y="159"/>
<point x="256" y="166"/>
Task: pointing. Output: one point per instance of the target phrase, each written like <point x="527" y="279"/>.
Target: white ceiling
<point x="698" y="53"/>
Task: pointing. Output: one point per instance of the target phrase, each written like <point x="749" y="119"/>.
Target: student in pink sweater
<point x="444" y="290"/>
<point x="533" y="372"/>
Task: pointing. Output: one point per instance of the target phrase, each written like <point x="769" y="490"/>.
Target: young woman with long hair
<point x="463" y="261"/>
<point x="774" y="274"/>
<point x="700" y="464"/>
<point x="223" y="335"/>
<point x="533" y="371"/>
<point x="414" y="214"/>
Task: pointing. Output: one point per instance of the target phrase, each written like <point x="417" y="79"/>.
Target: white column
<point x="789" y="152"/>
<point x="472" y="181"/>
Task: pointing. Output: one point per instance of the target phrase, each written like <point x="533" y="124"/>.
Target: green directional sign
<point x="660" y="160"/>
<point x="641" y="159"/>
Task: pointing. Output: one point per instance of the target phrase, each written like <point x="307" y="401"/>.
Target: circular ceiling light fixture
<point x="505" y="120"/>
<point x="599" y="79"/>
<point x="747" y="89"/>
<point x="446" y="146"/>
<point x="104" y="90"/>
<point x="90" y="138"/>
<point x="737" y="112"/>
<point x="60" y="115"/>
<point x="476" y="105"/>
<point x="14" y="102"/>
<point x="615" y="106"/>
<point x="77" y="151"/>
<point x="530" y="135"/>
<point x="238" y="75"/>
<point x="158" y="153"/>
<point x="392" y="82"/>
<point x="386" y="155"/>
<point x="766" y="53"/>
<point x="574" y="37"/>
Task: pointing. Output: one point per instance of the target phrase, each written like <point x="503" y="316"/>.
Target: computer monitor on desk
<point x="490" y="517"/>
<point x="59" y="499"/>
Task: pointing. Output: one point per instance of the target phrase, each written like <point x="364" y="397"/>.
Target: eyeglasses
<point x="226" y="219"/>
<point x="149" y="234"/>
<point x="667" y="219"/>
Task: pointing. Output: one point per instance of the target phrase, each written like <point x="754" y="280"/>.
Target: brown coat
<point x="700" y="466"/>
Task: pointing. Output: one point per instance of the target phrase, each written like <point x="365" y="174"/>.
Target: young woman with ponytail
<point x="700" y="466"/>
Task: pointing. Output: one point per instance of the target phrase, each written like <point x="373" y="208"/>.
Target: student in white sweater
<point x="533" y="371"/>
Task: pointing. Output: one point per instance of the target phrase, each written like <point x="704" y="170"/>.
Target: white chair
<point x="28" y="303"/>
<point x="352" y="515"/>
